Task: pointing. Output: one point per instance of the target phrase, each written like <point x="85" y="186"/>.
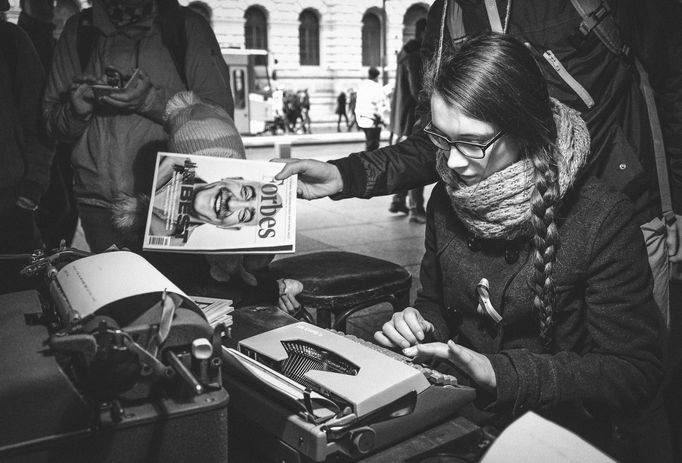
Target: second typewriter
<point x="316" y="395"/>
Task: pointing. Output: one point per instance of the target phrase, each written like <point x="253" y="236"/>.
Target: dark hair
<point x="494" y="78"/>
<point x="373" y="73"/>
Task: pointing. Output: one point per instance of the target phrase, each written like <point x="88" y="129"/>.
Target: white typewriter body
<point x="379" y="380"/>
<point x="369" y="382"/>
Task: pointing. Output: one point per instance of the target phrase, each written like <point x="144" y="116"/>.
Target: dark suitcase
<point x="44" y="418"/>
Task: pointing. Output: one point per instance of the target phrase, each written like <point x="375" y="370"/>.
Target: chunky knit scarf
<point x="499" y="206"/>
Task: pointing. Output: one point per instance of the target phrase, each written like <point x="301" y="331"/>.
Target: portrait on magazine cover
<point x="205" y="203"/>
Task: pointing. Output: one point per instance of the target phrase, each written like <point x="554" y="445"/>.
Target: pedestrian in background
<point x="370" y="107"/>
<point x="408" y="85"/>
<point x="341" y="111"/>
<point x="117" y="136"/>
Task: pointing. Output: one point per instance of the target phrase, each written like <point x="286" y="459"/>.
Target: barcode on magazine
<point x="159" y="240"/>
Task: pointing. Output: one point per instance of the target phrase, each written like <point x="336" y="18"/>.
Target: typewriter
<point x="108" y="361"/>
<point x="318" y="395"/>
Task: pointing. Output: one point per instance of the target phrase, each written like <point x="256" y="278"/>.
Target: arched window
<point x="413" y="15"/>
<point x="371" y="40"/>
<point x="309" y="38"/>
<point x="256" y="32"/>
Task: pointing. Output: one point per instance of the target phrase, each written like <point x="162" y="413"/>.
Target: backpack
<point x="171" y="18"/>
<point x="596" y="18"/>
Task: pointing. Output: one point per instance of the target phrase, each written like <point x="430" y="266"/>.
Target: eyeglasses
<point x="466" y="148"/>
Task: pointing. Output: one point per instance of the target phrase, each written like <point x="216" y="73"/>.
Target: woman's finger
<point x="393" y="336"/>
<point x="406" y="330"/>
<point x="381" y="339"/>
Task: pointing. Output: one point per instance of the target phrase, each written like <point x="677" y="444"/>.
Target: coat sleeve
<point x="37" y="149"/>
<point x="61" y="122"/>
<point x="205" y="69"/>
<point x="403" y="166"/>
<point x="430" y="295"/>
<point x="622" y="369"/>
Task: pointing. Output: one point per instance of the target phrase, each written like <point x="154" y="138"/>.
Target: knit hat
<point x="194" y="127"/>
<point x="200" y="128"/>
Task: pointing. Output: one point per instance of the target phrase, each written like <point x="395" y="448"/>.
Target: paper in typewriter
<point x="220" y="205"/>
<point x="102" y="279"/>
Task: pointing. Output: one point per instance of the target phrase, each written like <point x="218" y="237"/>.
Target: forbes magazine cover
<point x="207" y="204"/>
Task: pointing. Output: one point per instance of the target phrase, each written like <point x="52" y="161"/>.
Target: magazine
<point x="204" y="204"/>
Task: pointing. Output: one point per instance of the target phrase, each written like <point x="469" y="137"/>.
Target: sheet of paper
<point x="95" y="281"/>
<point x="534" y="439"/>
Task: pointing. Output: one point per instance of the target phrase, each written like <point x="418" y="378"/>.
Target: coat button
<point x="511" y="255"/>
<point x="474" y="244"/>
<point x="623" y="166"/>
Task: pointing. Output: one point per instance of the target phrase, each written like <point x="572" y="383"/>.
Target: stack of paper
<point x="216" y="310"/>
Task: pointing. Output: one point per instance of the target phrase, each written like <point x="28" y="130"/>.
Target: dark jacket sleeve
<point x="37" y="149"/>
<point x="405" y="165"/>
<point x="430" y="295"/>
<point x="623" y="369"/>
<point x="205" y="70"/>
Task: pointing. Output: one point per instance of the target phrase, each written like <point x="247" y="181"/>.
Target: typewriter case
<point x="44" y="418"/>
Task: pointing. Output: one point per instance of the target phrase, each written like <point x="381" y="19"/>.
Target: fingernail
<point x="420" y="335"/>
<point x="405" y="344"/>
<point x="410" y="351"/>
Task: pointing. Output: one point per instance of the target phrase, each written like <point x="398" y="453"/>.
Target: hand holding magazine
<point x="209" y="205"/>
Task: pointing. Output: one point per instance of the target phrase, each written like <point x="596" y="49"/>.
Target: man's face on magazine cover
<point x="227" y="203"/>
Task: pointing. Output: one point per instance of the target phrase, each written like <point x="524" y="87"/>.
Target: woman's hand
<point x="405" y="329"/>
<point x="476" y="365"/>
<point x="316" y="179"/>
<point x="288" y="290"/>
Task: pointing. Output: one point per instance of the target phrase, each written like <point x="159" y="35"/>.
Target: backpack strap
<point x="659" y="146"/>
<point x="86" y="38"/>
<point x="596" y="16"/>
<point x="493" y="16"/>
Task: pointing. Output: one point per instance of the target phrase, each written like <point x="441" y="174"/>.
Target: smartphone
<point x="114" y="83"/>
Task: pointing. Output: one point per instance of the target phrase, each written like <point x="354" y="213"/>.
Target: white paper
<point x="534" y="439"/>
<point x="92" y="282"/>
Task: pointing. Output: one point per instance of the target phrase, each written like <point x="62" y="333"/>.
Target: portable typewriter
<point x="316" y="395"/>
<point x="97" y="367"/>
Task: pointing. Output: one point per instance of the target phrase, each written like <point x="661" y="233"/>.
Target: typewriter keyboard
<point x="434" y="376"/>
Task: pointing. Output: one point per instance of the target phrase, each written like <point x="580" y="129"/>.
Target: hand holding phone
<point x="115" y="82"/>
<point x="133" y="95"/>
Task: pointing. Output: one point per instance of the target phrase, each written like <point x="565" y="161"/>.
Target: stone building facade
<point x="351" y="35"/>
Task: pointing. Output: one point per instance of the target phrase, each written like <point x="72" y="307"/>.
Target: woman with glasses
<point x="535" y="285"/>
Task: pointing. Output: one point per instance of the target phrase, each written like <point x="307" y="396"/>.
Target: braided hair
<point x="494" y="78"/>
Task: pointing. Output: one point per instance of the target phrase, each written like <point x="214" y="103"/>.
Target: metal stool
<point x="338" y="284"/>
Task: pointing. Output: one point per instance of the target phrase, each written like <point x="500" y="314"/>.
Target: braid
<point x="543" y="203"/>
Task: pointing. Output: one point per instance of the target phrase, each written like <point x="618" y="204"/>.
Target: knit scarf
<point x="499" y="206"/>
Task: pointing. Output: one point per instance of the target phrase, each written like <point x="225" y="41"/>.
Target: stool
<point x="339" y="284"/>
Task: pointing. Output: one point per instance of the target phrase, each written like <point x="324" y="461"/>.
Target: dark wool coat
<point x="606" y="356"/>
